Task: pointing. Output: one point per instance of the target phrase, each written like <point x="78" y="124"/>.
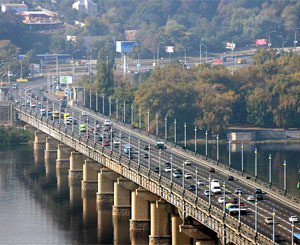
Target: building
<point x="87" y="6"/>
<point x="15" y="8"/>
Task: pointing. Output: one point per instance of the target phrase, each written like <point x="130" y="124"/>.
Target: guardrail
<point x="212" y="162"/>
<point x="184" y="200"/>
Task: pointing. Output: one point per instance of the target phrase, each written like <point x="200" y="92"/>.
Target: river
<point x="38" y="206"/>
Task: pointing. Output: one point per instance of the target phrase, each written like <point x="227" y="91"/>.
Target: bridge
<point x="156" y="200"/>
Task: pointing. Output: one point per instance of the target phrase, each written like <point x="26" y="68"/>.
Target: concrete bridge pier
<point x="105" y="224"/>
<point x="89" y="209"/>
<point x="51" y="148"/>
<point x="160" y="223"/>
<point x="76" y="167"/>
<point x="140" y="220"/>
<point x="121" y="229"/>
<point x="105" y="194"/>
<point x="50" y="169"/>
<point x="90" y="176"/>
<point x="75" y="196"/>
<point x="178" y="237"/>
<point x="39" y="140"/>
<point x="63" y="156"/>
<point x="62" y="182"/>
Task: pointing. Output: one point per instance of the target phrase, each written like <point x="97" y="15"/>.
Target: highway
<point x="265" y="206"/>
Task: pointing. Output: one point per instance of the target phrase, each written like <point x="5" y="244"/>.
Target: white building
<point x="14" y="7"/>
<point x="87" y="6"/>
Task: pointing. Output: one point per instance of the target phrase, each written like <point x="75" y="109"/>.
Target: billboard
<point x="261" y="42"/>
<point x="126" y="47"/>
<point x="169" y="49"/>
<point x="66" y="80"/>
<point x="230" y="45"/>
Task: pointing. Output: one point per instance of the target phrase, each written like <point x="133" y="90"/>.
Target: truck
<point x="241" y="61"/>
<point x="215" y="186"/>
<point x="160" y="145"/>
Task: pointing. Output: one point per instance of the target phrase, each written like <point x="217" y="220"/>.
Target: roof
<point x="14" y="4"/>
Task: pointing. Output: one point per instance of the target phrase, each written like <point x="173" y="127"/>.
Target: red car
<point x="86" y="136"/>
<point x="91" y="130"/>
<point x="106" y="143"/>
<point x="212" y="170"/>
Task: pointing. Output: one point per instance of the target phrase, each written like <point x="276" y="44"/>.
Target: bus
<point x="55" y="114"/>
<point x="296" y="238"/>
<point x="127" y="148"/>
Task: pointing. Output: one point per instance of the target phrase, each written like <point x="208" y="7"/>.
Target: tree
<point x="262" y="55"/>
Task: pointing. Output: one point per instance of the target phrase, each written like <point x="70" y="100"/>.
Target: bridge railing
<point x="172" y="192"/>
<point x="209" y="161"/>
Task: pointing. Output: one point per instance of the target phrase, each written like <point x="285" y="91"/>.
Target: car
<point x="146" y="155"/>
<point x="91" y="130"/>
<point x="293" y="218"/>
<point x="206" y="193"/>
<point x="200" y="182"/>
<point x="238" y="191"/>
<point x="146" y="147"/>
<point x="106" y="123"/>
<point x="86" y="136"/>
<point x="177" y="174"/>
<point x="168" y="169"/>
<point x="230" y="178"/>
<point x="187" y="176"/>
<point x="212" y="170"/>
<point x="250" y="198"/>
<point x="116" y="143"/>
<point x="106" y="143"/>
<point x="107" y="128"/>
<point x="258" y="191"/>
<point x="277" y="238"/>
<point x="259" y="196"/>
<point x="83" y="114"/>
<point x="156" y="169"/>
<point x="168" y="164"/>
<point x="187" y="162"/>
<point x="192" y="188"/>
<point x="269" y="220"/>
<point x="221" y="200"/>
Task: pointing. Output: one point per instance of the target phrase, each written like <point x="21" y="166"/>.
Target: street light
<point x="148" y="121"/>
<point x="166" y="127"/>
<point x="120" y="147"/>
<point x="139" y="155"/>
<point x="239" y="207"/>
<point x="196" y="181"/>
<point x="206" y="133"/>
<point x="195" y="139"/>
<point x="109" y="101"/>
<point x="149" y="159"/>
<point x="175" y="140"/>
<point x="217" y="148"/>
<point x="90" y="99"/>
<point x="140" y="118"/>
<point x="295" y="40"/>
<point x="171" y="158"/>
<point x="270" y="169"/>
<point x="242" y="146"/>
<point x="209" y="191"/>
<point x="284" y="176"/>
<point x="283" y="41"/>
<point x="269" y="43"/>
<point x="103" y="106"/>
<point x="129" y="155"/>
<point x="96" y="101"/>
<point x="131" y="109"/>
<point x="233" y="51"/>
<point x="224" y="197"/>
<point x="203" y="44"/>
<point x="293" y="224"/>
<point x="156" y="125"/>
<point x="159" y="162"/>
<point x="111" y="138"/>
<point x="185" y="135"/>
<point x="273" y="225"/>
<point x="256" y="203"/>
<point x="229" y="154"/>
<point x="117" y="109"/>
<point x="124" y="111"/>
<point x="255" y="163"/>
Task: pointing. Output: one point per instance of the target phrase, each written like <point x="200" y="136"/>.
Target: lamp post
<point x="209" y="189"/>
<point x="183" y="179"/>
<point x="139" y="153"/>
<point x="109" y="101"/>
<point x="224" y="196"/>
<point x="129" y="155"/>
<point x="255" y="163"/>
<point x="148" y="121"/>
<point x="295" y="40"/>
<point x="159" y="162"/>
<point x="166" y="127"/>
<point x="270" y="170"/>
<point x="103" y="106"/>
<point x="83" y="94"/>
<point x="203" y="44"/>
<point x="175" y="140"/>
<point x="273" y="236"/>
<point x="269" y="42"/>
<point x="131" y="109"/>
<point x="111" y="138"/>
<point x="293" y="224"/>
<point x="242" y="146"/>
<point x="90" y="99"/>
<point x="233" y="51"/>
<point x="120" y="147"/>
<point x="217" y="148"/>
<point x="206" y="133"/>
<point x="117" y="109"/>
<point x="96" y="101"/>
<point x="185" y="135"/>
<point x="282" y="39"/>
<point x="239" y="207"/>
<point x="229" y="154"/>
<point x="149" y="159"/>
<point x="171" y="159"/>
<point x="124" y="111"/>
<point x="156" y="125"/>
<point x="284" y="176"/>
<point x="195" y="139"/>
<point x="256" y="203"/>
<point x="196" y="181"/>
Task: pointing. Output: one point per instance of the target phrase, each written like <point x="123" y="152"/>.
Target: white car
<point x="221" y="200"/>
<point x="83" y="114"/>
<point x="200" y="182"/>
<point x="293" y="218"/>
<point x="187" y="162"/>
<point x="187" y="176"/>
<point x="206" y="193"/>
<point x="168" y="169"/>
<point x="107" y="123"/>
<point x="250" y="198"/>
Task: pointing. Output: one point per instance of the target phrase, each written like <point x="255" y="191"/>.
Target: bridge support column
<point x="76" y="167"/>
<point x="63" y="156"/>
<point x="178" y="237"/>
<point x="39" y="140"/>
<point x="160" y="223"/>
<point x="105" y="194"/>
<point x="140" y="220"/>
<point x="105" y="224"/>
<point x="89" y="209"/>
<point x="62" y="182"/>
<point x="90" y="176"/>
<point x="122" y="203"/>
<point x="51" y="148"/>
<point x="201" y="234"/>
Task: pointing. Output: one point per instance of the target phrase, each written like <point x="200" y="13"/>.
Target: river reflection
<point x="39" y="206"/>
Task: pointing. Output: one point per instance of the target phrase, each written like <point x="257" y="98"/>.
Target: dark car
<point x="230" y="178"/>
<point x="156" y="170"/>
<point x="212" y="170"/>
<point x="259" y="196"/>
<point x="167" y="164"/>
<point x="146" y="148"/>
<point x="277" y="238"/>
<point x="146" y="155"/>
<point x="258" y="191"/>
<point x="192" y="188"/>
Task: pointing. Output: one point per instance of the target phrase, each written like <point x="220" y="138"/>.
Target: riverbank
<point x="14" y="136"/>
